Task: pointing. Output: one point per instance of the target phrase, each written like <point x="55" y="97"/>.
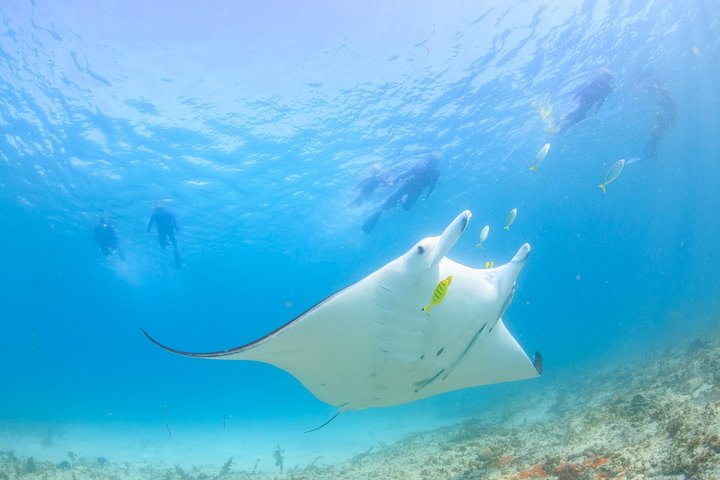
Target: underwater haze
<point x="257" y="125"/>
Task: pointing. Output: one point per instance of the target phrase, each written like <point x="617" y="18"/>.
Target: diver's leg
<point x="650" y="150"/>
<point x="410" y="198"/>
<point x="569" y="120"/>
<point x="176" y="253"/>
<point x="576" y="116"/>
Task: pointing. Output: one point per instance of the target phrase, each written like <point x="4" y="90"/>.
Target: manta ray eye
<point x="420" y="249"/>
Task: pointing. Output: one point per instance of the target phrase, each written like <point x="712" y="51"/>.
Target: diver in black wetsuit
<point x="422" y="175"/>
<point x="106" y="238"/>
<point x="664" y="117"/>
<point x="166" y="225"/>
<point x="590" y="93"/>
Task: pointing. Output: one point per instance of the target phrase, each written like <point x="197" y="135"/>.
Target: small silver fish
<point x="483" y="235"/>
<point x="511" y="218"/>
<point x="542" y="153"/>
<point x="613" y="173"/>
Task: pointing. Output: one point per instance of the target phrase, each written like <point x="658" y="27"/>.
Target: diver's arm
<point x="173" y="220"/>
<point x="150" y="223"/>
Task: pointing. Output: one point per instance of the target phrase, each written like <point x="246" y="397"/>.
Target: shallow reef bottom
<point x="658" y="418"/>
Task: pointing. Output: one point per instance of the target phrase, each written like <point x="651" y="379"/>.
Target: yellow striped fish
<point x="439" y="294"/>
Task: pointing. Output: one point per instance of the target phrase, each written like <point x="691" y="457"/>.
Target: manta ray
<point x="372" y="345"/>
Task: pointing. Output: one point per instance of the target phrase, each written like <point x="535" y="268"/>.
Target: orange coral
<point x="535" y="471"/>
<point x="595" y="462"/>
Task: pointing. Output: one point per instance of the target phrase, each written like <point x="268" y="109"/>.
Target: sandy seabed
<point x="656" y="418"/>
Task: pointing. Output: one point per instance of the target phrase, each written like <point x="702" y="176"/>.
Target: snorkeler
<point x="592" y="92"/>
<point x="422" y="175"/>
<point x="664" y="117"/>
<point x="367" y="186"/>
<point x="106" y="238"/>
<point x="166" y="225"/>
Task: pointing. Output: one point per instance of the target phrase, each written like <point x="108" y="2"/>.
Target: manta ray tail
<point x="321" y="426"/>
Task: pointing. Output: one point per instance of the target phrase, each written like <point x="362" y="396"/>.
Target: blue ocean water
<point x="255" y="123"/>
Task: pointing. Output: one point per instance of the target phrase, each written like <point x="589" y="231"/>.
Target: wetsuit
<point x="592" y="92"/>
<point x="423" y="175"/>
<point x="107" y="239"/>
<point x="664" y="119"/>
<point x="166" y="225"/>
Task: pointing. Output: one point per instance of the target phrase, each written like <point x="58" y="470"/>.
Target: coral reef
<point x="657" y="418"/>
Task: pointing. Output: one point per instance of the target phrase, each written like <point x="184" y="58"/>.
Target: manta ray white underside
<point x="372" y="345"/>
